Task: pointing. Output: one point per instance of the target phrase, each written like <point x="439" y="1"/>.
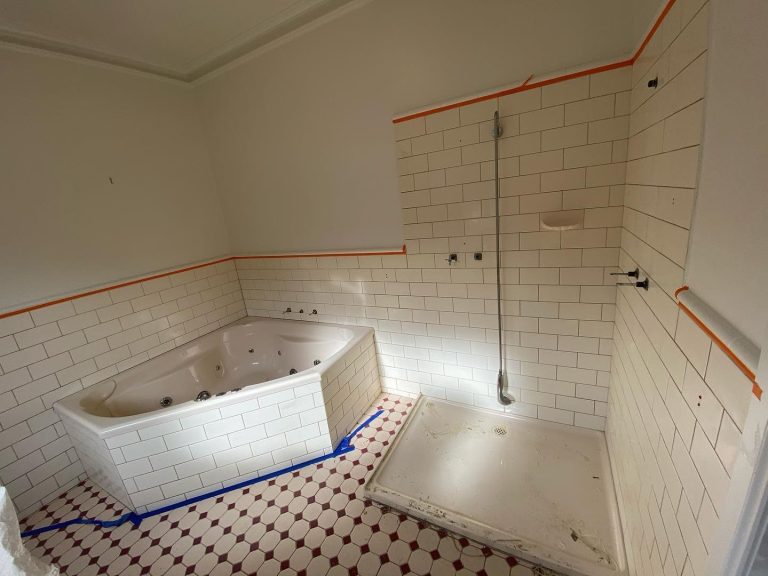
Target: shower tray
<point x="537" y="490"/>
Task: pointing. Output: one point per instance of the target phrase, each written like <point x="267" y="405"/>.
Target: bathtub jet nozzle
<point x="204" y="395"/>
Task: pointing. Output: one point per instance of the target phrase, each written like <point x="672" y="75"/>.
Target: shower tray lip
<point x="482" y="532"/>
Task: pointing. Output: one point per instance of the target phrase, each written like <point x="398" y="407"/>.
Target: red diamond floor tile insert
<point x="310" y="522"/>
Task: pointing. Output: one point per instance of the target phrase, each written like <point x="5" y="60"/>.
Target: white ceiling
<point x="182" y="39"/>
<point x="185" y="39"/>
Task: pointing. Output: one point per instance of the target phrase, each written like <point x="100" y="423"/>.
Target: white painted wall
<point x="301" y="135"/>
<point x="740" y="540"/>
<point x="67" y="128"/>
<point x="728" y="263"/>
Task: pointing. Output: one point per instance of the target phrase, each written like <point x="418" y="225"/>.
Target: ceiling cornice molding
<point x="45" y="45"/>
<point x="345" y="6"/>
<point x="299" y="23"/>
<point x="87" y="61"/>
<point x="234" y="53"/>
<point x="249" y="42"/>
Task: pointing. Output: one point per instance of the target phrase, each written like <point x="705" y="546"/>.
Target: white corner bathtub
<point x="278" y="393"/>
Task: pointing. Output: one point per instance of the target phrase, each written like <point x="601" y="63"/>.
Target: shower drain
<point x="500" y="430"/>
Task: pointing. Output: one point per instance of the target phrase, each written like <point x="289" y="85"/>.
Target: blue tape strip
<point x="345" y="446"/>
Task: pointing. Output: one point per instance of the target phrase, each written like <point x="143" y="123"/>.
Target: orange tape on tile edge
<point x="756" y="389"/>
<point x="521" y="88"/>
<point x="79" y="295"/>
<point x="108" y="288"/>
<point x="324" y="254"/>
<point x="526" y="86"/>
<point x="653" y="30"/>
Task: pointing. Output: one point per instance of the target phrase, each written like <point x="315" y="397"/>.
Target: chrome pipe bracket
<point x="632" y="273"/>
<point x="639" y="284"/>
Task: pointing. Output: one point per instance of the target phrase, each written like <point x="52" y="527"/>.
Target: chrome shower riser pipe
<point x="502" y="398"/>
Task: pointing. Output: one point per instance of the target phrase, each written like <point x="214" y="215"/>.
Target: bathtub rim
<point x="108" y="427"/>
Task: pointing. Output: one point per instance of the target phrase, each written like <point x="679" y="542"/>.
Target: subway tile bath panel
<point x="245" y="400"/>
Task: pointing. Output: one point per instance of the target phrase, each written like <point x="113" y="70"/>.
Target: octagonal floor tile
<point x="309" y="522"/>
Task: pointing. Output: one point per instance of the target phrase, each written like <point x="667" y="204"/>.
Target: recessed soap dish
<point x="562" y="221"/>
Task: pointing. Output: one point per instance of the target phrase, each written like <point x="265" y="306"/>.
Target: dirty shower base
<point x="539" y="490"/>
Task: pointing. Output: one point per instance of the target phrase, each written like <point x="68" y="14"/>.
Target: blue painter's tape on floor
<point x="343" y="447"/>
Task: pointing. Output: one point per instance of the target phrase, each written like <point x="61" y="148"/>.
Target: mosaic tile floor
<point x="311" y="522"/>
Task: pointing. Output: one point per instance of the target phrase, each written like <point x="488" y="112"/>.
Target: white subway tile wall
<point x="55" y="351"/>
<point x="562" y="155"/>
<point x="677" y="404"/>
<point x="97" y="461"/>
<point x="350" y="388"/>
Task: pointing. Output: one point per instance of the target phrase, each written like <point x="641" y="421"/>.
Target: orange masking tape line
<point x="653" y="30"/>
<point x="323" y="254"/>
<point x="756" y="389"/>
<point x="34" y="307"/>
<point x="526" y="86"/>
<point x="108" y="288"/>
<point x="521" y="88"/>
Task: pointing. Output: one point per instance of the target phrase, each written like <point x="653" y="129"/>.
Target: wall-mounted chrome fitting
<point x="632" y="273"/>
<point x="639" y="284"/>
